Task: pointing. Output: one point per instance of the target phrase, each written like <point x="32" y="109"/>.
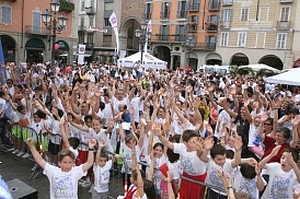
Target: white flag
<point x="149" y="29"/>
<point x="81" y="52"/>
<point x="114" y="24"/>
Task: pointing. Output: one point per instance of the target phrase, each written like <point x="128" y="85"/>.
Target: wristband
<point x="91" y="149"/>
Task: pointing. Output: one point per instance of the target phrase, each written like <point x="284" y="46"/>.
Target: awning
<point x="213" y="56"/>
<point x="63" y="45"/>
<point x="35" y="43"/>
<point x="296" y="63"/>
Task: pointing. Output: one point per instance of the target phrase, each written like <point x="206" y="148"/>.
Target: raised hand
<point x="276" y="150"/>
<point x="238" y="144"/>
<point x="92" y="143"/>
<point x="208" y="143"/>
<point x="295" y="121"/>
<point x="30" y="141"/>
<point x="101" y="144"/>
<point x="264" y="117"/>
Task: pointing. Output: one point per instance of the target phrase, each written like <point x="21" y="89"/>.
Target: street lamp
<point x="189" y="44"/>
<point x="55" y="25"/>
<point x="144" y="35"/>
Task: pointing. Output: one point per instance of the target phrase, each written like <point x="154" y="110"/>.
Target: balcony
<point x="165" y="15"/>
<point x="89" y="45"/>
<point x="181" y="14"/>
<point x="208" y="46"/>
<point x="227" y="2"/>
<point x="36" y="30"/>
<point x="194" y="7"/>
<point x="90" y="11"/>
<point x="283" y="25"/>
<point x="192" y="27"/>
<point x="225" y="25"/>
<point x="168" y="38"/>
<point x="211" y="26"/>
<point x="66" y="6"/>
<point x="82" y="28"/>
<point x="214" y="5"/>
<point x="285" y="1"/>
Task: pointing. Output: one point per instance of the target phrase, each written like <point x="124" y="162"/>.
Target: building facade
<point x="26" y="39"/>
<point x="258" y="31"/>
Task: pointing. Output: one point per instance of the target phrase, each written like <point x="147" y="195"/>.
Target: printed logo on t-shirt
<point x="63" y="187"/>
<point x="279" y="189"/>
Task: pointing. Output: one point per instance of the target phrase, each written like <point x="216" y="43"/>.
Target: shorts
<point x="96" y="195"/>
<point x="53" y="148"/>
<point x="16" y="131"/>
<point x="82" y="157"/>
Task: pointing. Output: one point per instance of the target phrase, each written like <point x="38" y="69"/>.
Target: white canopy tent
<point x="257" y="67"/>
<point x="290" y="77"/>
<point x="149" y="61"/>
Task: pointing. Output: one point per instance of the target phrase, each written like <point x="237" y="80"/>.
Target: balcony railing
<point x="283" y="25"/>
<point x="192" y="27"/>
<point x="194" y="7"/>
<point x="181" y="14"/>
<point x="36" y="30"/>
<point x="225" y="24"/>
<point x="285" y="1"/>
<point x="90" y="11"/>
<point x="211" y="26"/>
<point x="165" y="15"/>
<point x="66" y="6"/>
<point x="168" y="38"/>
<point x="82" y="28"/>
<point x="205" y="46"/>
<point x="214" y="5"/>
<point x="227" y="2"/>
<point x="89" y="45"/>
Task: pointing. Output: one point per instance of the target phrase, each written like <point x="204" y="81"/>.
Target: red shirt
<point x="269" y="143"/>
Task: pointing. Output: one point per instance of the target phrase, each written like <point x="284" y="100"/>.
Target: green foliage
<point x="66" y="6"/>
<point x="266" y="73"/>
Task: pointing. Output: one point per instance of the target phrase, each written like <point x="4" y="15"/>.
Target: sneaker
<point x="11" y="149"/>
<point x="15" y="151"/>
<point x="34" y="167"/>
<point x="86" y="184"/>
<point x="91" y="189"/>
<point x="26" y="155"/>
<point x="20" y="154"/>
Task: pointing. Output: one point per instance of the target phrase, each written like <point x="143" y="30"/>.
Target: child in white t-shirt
<point x="283" y="176"/>
<point x="63" y="179"/>
<point x="101" y="173"/>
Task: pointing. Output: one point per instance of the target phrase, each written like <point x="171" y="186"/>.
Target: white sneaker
<point x="20" y="154"/>
<point x="91" y="189"/>
<point x="34" y="167"/>
<point x="11" y="149"/>
<point x="86" y="184"/>
<point x="26" y="155"/>
<point x="15" y="151"/>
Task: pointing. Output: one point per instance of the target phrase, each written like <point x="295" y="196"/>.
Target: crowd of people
<point x="173" y="134"/>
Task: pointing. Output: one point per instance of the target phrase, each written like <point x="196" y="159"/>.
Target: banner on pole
<point x="114" y="24"/>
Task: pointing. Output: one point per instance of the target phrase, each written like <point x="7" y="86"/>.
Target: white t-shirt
<point x="212" y="176"/>
<point x="176" y="169"/>
<point x="102" y="174"/>
<point x="104" y="137"/>
<point x="135" y="103"/>
<point x="63" y="184"/>
<point x="222" y="116"/>
<point x="241" y="184"/>
<point x="190" y="162"/>
<point x="281" y="183"/>
<point x="128" y="156"/>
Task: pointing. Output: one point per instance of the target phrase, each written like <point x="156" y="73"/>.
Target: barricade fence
<point x="17" y="135"/>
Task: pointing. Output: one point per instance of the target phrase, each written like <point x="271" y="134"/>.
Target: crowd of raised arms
<point x="201" y="135"/>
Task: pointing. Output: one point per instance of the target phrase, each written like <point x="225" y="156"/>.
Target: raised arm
<point x="263" y="163"/>
<point x="164" y="140"/>
<point x="238" y="149"/>
<point x="90" y="161"/>
<point x="295" y="135"/>
<point x="37" y="157"/>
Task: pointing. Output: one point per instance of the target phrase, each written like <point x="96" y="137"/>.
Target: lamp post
<point x="189" y="44"/>
<point x="54" y="24"/>
<point x="143" y="34"/>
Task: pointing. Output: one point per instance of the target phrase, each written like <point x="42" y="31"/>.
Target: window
<point x="6" y="15"/>
<point x="164" y="32"/>
<point x="106" y="21"/>
<point x="91" y="18"/>
<point x="36" y="23"/>
<point x="82" y="5"/>
<point x="165" y="10"/>
<point x="284" y="15"/>
<point x="244" y="14"/>
<point x="226" y="15"/>
<point x="180" y="33"/>
<point x="242" y="37"/>
<point x="92" y="3"/>
<point x="224" y="39"/>
<point x="281" y="40"/>
<point x="90" y="38"/>
<point x="181" y="9"/>
<point x="193" y="22"/>
<point x="81" y="37"/>
<point x="148" y="10"/>
<point x="81" y="21"/>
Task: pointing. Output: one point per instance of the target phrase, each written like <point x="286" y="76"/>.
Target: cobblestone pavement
<point x="12" y="167"/>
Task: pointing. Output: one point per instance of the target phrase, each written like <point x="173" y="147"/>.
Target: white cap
<point x="297" y="98"/>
